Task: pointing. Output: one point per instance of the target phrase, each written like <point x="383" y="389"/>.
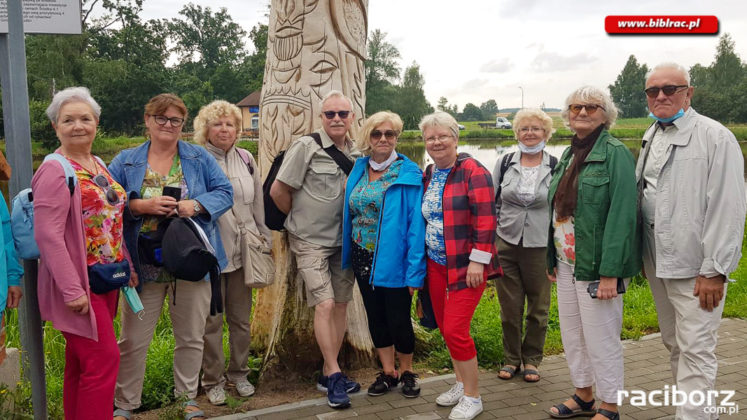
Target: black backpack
<point x="506" y="162"/>
<point x="274" y="217"/>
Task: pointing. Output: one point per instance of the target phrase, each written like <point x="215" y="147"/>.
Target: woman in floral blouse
<point x="592" y="238"/>
<point x="383" y="240"/>
<point x="76" y="229"/>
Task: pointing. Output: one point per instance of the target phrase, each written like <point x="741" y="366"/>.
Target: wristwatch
<point x="197" y="206"/>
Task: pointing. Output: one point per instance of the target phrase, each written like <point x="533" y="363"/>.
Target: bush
<point x="41" y="128"/>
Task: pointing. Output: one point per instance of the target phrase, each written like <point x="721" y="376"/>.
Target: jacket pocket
<point x="595" y="190"/>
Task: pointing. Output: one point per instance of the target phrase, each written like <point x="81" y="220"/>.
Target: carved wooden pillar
<point x="314" y="46"/>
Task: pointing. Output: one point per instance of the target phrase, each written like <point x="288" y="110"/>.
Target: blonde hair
<point x="529" y="113"/>
<point x="375" y="120"/>
<point x="591" y="95"/>
<point x="211" y="112"/>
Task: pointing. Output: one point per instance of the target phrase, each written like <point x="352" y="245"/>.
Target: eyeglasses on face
<point x="668" y="90"/>
<point x="389" y="134"/>
<point x="111" y="195"/>
<point x="442" y="138"/>
<point x="162" y="120"/>
<point x="331" y="114"/>
<point x="590" y="108"/>
<point x="524" y="130"/>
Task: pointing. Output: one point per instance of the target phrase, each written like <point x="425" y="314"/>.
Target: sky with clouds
<point x="475" y="50"/>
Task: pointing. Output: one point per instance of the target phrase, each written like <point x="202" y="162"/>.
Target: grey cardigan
<point x="517" y="221"/>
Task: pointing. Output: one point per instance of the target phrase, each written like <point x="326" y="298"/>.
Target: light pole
<point x="522" y="97"/>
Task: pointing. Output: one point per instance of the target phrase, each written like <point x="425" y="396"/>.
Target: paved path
<point x="646" y="368"/>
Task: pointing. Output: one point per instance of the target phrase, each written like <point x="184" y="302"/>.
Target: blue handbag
<point x="104" y="278"/>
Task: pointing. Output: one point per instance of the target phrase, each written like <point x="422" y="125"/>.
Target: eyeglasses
<point x="331" y="114"/>
<point x="668" y="90"/>
<point x="590" y="108"/>
<point x="111" y="195"/>
<point x="389" y="134"/>
<point x="442" y="138"/>
<point x="524" y="130"/>
<point x="162" y="120"/>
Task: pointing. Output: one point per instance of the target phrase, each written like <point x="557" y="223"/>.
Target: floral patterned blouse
<point x="365" y="206"/>
<point x="153" y="184"/>
<point x="564" y="239"/>
<point x="433" y="212"/>
<point x="102" y="220"/>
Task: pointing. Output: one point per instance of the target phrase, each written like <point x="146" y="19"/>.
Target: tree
<point x="489" y="109"/>
<point x="471" y="113"/>
<point x="721" y="87"/>
<point x="627" y="90"/>
<point x="410" y="103"/>
<point x="382" y="71"/>
<point x="253" y="67"/>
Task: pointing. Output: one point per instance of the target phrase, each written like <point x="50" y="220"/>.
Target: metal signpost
<point x="53" y="16"/>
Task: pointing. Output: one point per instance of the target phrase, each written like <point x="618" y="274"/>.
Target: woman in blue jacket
<point x="10" y="272"/>
<point x="382" y="206"/>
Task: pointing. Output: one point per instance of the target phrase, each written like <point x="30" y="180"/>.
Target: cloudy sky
<point x="475" y="50"/>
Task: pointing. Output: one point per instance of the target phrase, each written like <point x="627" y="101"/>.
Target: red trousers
<point x="91" y="366"/>
<point x="453" y="311"/>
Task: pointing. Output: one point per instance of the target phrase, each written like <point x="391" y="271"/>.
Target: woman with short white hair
<point x="593" y="248"/>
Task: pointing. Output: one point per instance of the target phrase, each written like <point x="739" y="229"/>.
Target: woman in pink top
<point x="77" y="230"/>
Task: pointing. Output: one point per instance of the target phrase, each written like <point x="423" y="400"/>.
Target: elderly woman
<point x="78" y="228"/>
<point x="522" y="180"/>
<point x="166" y="164"/>
<point x="459" y="210"/>
<point x="382" y="206"/>
<point x="217" y="127"/>
<point x="592" y="238"/>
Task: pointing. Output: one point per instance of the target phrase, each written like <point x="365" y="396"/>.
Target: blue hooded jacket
<point x="11" y="270"/>
<point x="401" y="262"/>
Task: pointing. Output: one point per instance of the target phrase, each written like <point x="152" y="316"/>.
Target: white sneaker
<point x="452" y="396"/>
<point x="466" y="409"/>
<point x="244" y="388"/>
<point x="217" y="395"/>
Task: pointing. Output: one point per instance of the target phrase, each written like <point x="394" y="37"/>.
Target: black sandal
<point x="612" y="415"/>
<point x="512" y="371"/>
<point x="585" y="409"/>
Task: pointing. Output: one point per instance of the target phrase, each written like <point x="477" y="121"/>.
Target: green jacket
<point x="606" y="217"/>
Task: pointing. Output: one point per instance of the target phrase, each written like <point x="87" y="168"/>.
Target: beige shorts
<point x="320" y="268"/>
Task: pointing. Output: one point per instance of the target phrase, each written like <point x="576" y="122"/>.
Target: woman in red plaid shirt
<point x="459" y="210"/>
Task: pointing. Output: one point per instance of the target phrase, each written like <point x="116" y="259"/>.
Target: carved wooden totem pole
<point x="314" y="46"/>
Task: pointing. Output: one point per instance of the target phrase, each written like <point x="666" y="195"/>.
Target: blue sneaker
<point x="337" y="397"/>
<point x="350" y="386"/>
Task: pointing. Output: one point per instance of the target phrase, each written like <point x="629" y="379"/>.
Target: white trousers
<point x="590" y="330"/>
<point x="688" y="332"/>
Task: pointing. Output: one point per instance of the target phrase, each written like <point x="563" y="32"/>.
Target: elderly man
<point x="309" y="188"/>
<point x="691" y="188"/>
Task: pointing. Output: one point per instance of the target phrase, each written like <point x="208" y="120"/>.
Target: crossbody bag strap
<point x="340" y="159"/>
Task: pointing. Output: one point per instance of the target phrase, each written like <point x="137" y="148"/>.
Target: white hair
<point x="335" y="94"/>
<point x="72" y="94"/>
<point x="671" y="66"/>
<point x="440" y="119"/>
<point x="591" y="95"/>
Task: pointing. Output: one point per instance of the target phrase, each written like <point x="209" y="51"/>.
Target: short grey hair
<point x="440" y="119"/>
<point x="335" y="94"/>
<point x="671" y="66"/>
<point x="591" y="95"/>
<point x="72" y="94"/>
<point x="529" y="113"/>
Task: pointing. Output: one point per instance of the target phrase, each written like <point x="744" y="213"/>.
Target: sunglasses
<point x="590" y="108"/>
<point x="668" y="90"/>
<point x="389" y="134"/>
<point x="162" y="120"/>
<point x="331" y="114"/>
<point x="111" y="195"/>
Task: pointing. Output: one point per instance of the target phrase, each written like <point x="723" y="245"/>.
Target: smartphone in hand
<point x="175" y="192"/>
<point x="594" y="286"/>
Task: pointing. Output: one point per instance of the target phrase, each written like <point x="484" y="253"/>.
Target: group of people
<point x="588" y="222"/>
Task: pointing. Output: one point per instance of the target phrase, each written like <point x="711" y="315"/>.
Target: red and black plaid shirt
<point x="469" y="217"/>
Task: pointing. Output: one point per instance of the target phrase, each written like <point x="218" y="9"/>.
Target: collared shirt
<point x="319" y="184"/>
<point x="654" y="162"/>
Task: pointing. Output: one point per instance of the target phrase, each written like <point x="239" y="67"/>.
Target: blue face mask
<point x="679" y="113"/>
<point x="531" y="150"/>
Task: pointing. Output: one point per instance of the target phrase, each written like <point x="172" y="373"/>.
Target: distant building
<point x="249" y="107"/>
